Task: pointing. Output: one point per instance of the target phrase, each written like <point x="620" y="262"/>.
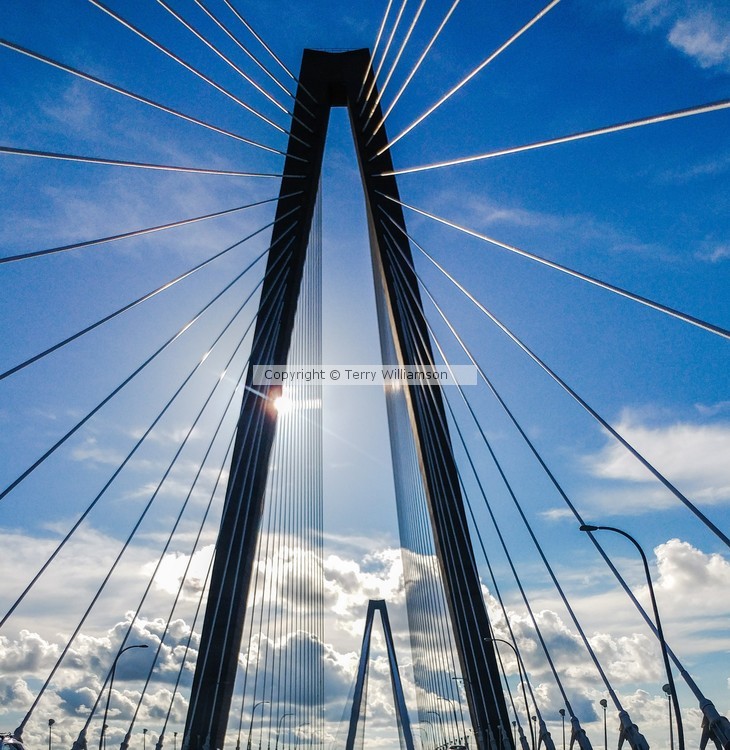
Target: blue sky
<point x="645" y="209"/>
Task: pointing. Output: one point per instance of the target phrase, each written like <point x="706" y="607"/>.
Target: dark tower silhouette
<point x="335" y="80"/>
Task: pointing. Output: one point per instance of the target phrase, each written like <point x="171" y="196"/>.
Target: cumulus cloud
<point x="687" y="576"/>
<point x="690" y="579"/>
<point x="28" y="653"/>
<point x="692" y="455"/>
<point x="79" y="684"/>
<point x="174" y="566"/>
<point x="700" y="29"/>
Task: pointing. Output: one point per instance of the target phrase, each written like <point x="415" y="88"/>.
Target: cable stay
<point x="186" y="651"/>
<point x="270" y="324"/>
<point x="432" y="645"/>
<point x="178" y="519"/>
<point x="413" y="72"/>
<point x="255" y="60"/>
<point x="676" y="114"/>
<point x="431" y="446"/>
<point x="384" y="56"/>
<point x="138" y="301"/>
<point x="81" y="743"/>
<point x="276" y="308"/>
<point x="717" y="725"/>
<point x="279" y="663"/>
<point x="203" y="77"/>
<point x="653" y="304"/>
<point x="635" y="739"/>
<point x="125" y="382"/>
<point x="222" y="56"/>
<point x="265" y="46"/>
<point x="136" y="164"/>
<point x="369" y="68"/>
<point x="471" y="75"/>
<point x="496" y="525"/>
<point x="606" y="425"/>
<point x="401" y="49"/>
<point x="126" y="460"/>
<point x="19" y="731"/>
<point x="545" y="737"/>
<point x="401" y="284"/>
<point x="127" y="235"/>
<point x="634" y="452"/>
<point x="136" y="97"/>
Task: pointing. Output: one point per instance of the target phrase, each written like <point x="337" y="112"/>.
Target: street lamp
<point x="561" y="711"/>
<point x="174" y="741"/>
<point x="278" y="727"/>
<point x="102" y="736"/>
<point x="456" y="714"/>
<point x="604" y="704"/>
<point x="441" y="724"/>
<point x="51" y="722"/>
<point x="660" y="633"/>
<point x="668" y="690"/>
<point x="522" y="683"/>
<point x="250" y="726"/>
<point x="433" y="731"/>
<point x="144" y="739"/>
<point x="303" y="724"/>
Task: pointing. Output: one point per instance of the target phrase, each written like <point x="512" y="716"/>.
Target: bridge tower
<point x="327" y="80"/>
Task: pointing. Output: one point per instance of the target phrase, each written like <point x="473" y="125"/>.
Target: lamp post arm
<point x="660" y="632"/>
<point x="522" y="677"/>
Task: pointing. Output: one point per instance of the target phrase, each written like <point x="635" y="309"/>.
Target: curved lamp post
<point x="433" y="731"/>
<point x="278" y="727"/>
<point x="441" y="725"/>
<point x="522" y="683"/>
<point x="303" y="724"/>
<point x="111" y="682"/>
<point x="456" y="714"/>
<point x="659" y="631"/>
<point x="250" y="726"/>
<point x="668" y="690"/>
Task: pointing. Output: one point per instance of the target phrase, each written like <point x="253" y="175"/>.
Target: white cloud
<point x="712" y="410"/>
<point x="715" y="253"/>
<point x="692" y="455"/>
<point x="687" y="576"/>
<point x="485" y="214"/>
<point x="691" y="578"/>
<point x="27" y="654"/>
<point x="700" y="29"/>
<point x="173" y="567"/>
<point x="702" y="37"/>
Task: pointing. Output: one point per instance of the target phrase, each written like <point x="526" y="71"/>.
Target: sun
<point x="283" y="404"/>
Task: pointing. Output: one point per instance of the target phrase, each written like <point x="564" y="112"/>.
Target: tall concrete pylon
<point x="326" y="80"/>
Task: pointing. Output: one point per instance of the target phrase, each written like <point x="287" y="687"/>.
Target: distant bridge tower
<point x="358" y="707"/>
